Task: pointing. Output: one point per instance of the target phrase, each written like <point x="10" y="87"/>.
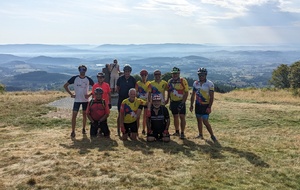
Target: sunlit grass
<point x="259" y="140"/>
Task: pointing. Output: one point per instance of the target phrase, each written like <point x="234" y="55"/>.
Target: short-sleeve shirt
<point x="97" y="109"/>
<point x="177" y="88"/>
<point x="130" y="109"/>
<point x="142" y="89"/>
<point x="158" y="89"/>
<point x="106" y="90"/>
<point x="202" y="91"/>
<point x="125" y="85"/>
<point x="158" y="122"/>
<point x="81" y="87"/>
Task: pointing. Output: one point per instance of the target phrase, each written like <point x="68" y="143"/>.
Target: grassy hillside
<point x="258" y="132"/>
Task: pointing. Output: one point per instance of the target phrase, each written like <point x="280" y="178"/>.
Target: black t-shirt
<point x="125" y="85"/>
<point x="159" y="121"/>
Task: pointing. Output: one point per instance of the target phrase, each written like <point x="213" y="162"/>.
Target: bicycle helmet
<point x="98" y="90"/>
<point x="175" y="70"/>
<point x="100" y="74"/>
<point x="202" y="70"/>
<point x="144" y="72"/>
<point x="156" y="97"/>
<point x="127" y="67"/>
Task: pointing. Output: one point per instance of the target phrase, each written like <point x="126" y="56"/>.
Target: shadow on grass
<point x="191" y="149"/>
<point x="251" y="157"/>
<point x="85" y="144"/>
<point x="188" y="147"/>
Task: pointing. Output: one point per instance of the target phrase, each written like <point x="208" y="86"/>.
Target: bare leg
<point x="124" y="137"/>
<point x="74" y="115"/>
<point x="176" y="121"/>
<point x="84" y="117"/>
<point x="182" y="122"/>
<point x="133" y="136"/>
<point x="200" y="125"/>
<point x="118" y="125"/>
<point x="208" y="127"/>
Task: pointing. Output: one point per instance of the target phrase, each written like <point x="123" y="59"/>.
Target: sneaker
<point x="182" y="136"/>
<point x="213" y="138"/>
<point x="83" y="131"/>
<point x="143" y="132"/>
<point x="73" y="134"/>
<point x="176" y="134"/>
<point x="199" y="137"/>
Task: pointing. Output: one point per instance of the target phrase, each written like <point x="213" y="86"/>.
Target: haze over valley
<point x="48" y="67"/>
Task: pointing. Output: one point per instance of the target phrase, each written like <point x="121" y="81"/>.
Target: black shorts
<point x="120" y="100"/>
<point x="76" y="106"/>
<point x="174" y="108"/>
<point x="102" y="126"/>
<point x="201" y="109"/>
<point x="131" y="127"/>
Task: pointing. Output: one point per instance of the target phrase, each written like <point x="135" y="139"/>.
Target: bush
<point x="2" y="88"/>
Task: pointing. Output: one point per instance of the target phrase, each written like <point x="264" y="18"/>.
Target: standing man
<point x="105" y="87"/>
<point x="130" y="112"/>
<point x="142" y="88"/>
<point x="158" y="87"/>
<point x="81" y="88"/>
<point x="114" y="75"/>
<point x="204" y="91"/>
<point x="124" y="83"/>
<point x="106" y="71"/>
<point x="178" y="90"/>
<point x="98" y="112"/>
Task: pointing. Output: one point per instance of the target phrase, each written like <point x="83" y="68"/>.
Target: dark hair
<point x="82" y="66"/>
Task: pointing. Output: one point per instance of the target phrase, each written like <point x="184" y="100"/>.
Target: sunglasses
<point x="82" y="70"/>
<point x="157" y="74"/>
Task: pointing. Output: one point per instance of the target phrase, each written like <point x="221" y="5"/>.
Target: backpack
<point x="96" y="102"/>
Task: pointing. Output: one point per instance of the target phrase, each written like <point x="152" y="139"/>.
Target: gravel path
<point x="67" y="103"/>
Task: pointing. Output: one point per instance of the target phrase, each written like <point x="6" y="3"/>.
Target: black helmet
<point x="98" y="90"/>
<point x="202" y="70"/>
<point x="175" y="70"/>
<point x="127" y="67"/>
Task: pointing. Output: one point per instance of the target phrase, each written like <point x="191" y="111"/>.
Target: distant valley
<point x="48" y="67"/>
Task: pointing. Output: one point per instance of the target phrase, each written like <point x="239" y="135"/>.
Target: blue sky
<point x="149" y="21"/>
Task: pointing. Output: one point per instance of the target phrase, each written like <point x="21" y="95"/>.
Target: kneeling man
<point x="158" y="121"/>
<point x="98" y="112"/>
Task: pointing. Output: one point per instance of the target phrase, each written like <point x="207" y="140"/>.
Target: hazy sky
<point x="149" y="21"/>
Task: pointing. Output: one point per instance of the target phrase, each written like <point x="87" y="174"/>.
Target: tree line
<point x="285" y="76"/>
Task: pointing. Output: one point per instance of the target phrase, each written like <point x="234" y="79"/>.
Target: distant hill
<point x="8" y="57"/>
<point x="237" y="66"/>
<point x="55" y="60"/>
<point x="33" y="48"/>
<point x="37" y="80"/>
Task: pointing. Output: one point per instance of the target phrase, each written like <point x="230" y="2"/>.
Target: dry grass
<point x="258" y="132"/>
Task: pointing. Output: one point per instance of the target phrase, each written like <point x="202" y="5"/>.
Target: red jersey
<point x="106" y="90"/>
<point x="97" y="109"/>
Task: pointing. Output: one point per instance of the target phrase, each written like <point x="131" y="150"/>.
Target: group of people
<point x="141" y="100"/>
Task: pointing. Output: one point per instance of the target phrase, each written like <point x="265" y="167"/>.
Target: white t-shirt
<point x="114" y="69"/>
<point x="81" y="87"/>
<point x="202" y="91"/>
